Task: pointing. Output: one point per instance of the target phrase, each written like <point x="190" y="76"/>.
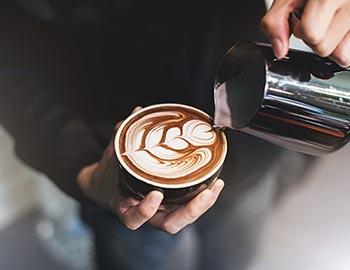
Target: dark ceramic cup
<point x="139" y="186"/>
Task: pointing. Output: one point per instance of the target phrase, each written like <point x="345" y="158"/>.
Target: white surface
<point x="268" y="3"/>
<point x="23" y="189"/>
<point x="18" y="184"/>
<point x="310" y="228"/>
<point x="17" y="197"/>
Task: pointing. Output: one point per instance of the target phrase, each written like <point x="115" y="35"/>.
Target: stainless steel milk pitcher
<point x="301" y="102"/>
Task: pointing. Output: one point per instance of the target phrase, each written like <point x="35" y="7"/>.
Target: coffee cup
<point x="171" y="148"/>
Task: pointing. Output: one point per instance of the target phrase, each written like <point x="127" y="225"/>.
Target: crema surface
<point x="171" y="145"/>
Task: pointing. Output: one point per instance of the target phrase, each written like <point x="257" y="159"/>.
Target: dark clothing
<point x="69" y="70"/>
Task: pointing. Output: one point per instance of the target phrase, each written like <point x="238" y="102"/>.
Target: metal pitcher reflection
<point x="295" y="102"/>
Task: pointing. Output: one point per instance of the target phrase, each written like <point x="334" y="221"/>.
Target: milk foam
<point x="169" y="146"/>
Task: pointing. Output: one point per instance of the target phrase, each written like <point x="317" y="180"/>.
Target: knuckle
<point x="310" y="34"/>
<point x="169" y="228"/>
<point x="342" y="56"/>
<point x="326" y="2"/>
<point x="267" y="22"/>
<point x="192" y="212"/>
<point x="341" y="62"/>
<point x="144" y="211"/>
<point x="323" y="49"/>
<point x="208" y="199"/>
<point x="211" y="201"/>
<point x="172" y="231"/>
<point x="131" y="227"/>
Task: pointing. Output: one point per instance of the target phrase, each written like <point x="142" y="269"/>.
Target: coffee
<point x="170" y="144"/>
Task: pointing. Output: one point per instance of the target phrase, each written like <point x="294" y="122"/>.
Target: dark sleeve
<point x="48" y="136"/>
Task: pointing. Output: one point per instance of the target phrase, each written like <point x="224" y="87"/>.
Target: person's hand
<point x="324" y="26"/>
<point x="100" y="182"/>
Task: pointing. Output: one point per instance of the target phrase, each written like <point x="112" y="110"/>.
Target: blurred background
<point x="307" y="229"/>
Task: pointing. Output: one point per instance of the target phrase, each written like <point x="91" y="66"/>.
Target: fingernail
<point x="117" y="126"/>
<point x="156" y="198"/>
<point x="219" y="185"/>
<point x="277" y="46"/>
<point x="136" y="109"/>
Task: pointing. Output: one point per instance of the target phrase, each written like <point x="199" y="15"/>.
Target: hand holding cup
<point x="102" y="183"/>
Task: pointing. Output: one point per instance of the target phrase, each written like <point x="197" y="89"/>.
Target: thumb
<point x="110" y="147"/>
<point x="275" y="25"/>
<point x="117" y="126"/>
<point x="136" y="109"/>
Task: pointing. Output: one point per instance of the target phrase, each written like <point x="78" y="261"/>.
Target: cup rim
<point x="162" y="185"/>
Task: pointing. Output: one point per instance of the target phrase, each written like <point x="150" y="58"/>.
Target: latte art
<point x="170" y="145"/>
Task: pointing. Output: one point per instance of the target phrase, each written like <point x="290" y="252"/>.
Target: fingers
<point x="122" y="205"/>
<point x="117" y="126"/>
<point x="275" y="25"/>
<point x="338" y="29"/>
<point x="134" y="213"/>
<point x="324" y="26"/>
<point x="341" y="55"/>
<point x="313" y="27"/>
<point x="187" y="214"/>
<point x="325" y="35"/>
<point x="136" y="109"/>
<point x="135" y="216"/>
